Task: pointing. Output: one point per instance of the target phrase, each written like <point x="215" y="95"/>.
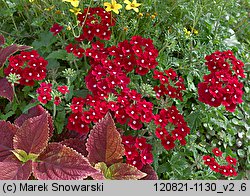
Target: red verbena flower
<point x="63" y="89"/>
<point x="217" y="152"/>
<point x="231" y="160"/>
<point x="56" y="28"/>
<point x="208" y="160"/>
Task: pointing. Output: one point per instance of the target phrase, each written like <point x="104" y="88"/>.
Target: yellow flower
<point x="125" y="28"/>
<point x="74" y="3"/>
<point x="195" y="31"/>
<point x="140" y="14"/>
<point x="58" y="12"/>
<point x="49" y="8"/>
<point x="31" y="1"/>
<point x="113" y="6"/>
<point x="153" y="16"/>
<point x="132" y="5"/>
<point x="187" y="33"/>
<point x="75" y="10"/>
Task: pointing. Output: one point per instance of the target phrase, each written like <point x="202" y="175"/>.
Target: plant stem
<point x="54" y="110"/>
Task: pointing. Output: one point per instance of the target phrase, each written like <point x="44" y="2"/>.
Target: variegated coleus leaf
<point x="6" y="90"/>
<point x="151" y="174"/>
<point x="77" y="144"/>
<point x="104" y="143"/>
<point x="7" y="132"/>
<point x="33" y="135"/>
<point x="34" y="112"/>
<point x="2" y="41"/>
<point x="13" y="169"/>
<point x="59" y="162"/>
<point x="119" y="171"/>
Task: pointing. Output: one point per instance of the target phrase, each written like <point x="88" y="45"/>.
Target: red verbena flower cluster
<point x="29" y="65"/>
<point x="222" y="86"/>
<point x="226" y="170"/>
<point x="138" y="54"/>
<point x="138" y="151"/>
<point x="95" y="22"/>
<point x="128" y="108"/>
<point x="85" y="111"/>
<point x="170" y="84"/>
<point x="171" y="127"/>
<point x="47" y="93"/>
<point x="108" y="77"/>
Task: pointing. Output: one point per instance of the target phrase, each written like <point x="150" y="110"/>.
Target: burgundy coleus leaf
<point x="33" y="135"/>
<point x="5" y="53"/>
<point x="7" y="132"/>
<point x="151" y="174"/>
<point x="104" y="143"/>
<point x="124" y="171"/>
<point x="77" y="144"/>
<point x="6" y="90"/>
<point x="13" y="169"/>
<point x="2" y="40"/>
<point x="60" y="162"/>
<point x="33" y="112"/>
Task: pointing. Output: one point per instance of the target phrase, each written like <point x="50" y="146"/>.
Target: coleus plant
<point x="25" y="150"/>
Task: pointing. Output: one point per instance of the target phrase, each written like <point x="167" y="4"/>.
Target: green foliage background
<point x="221" y="25"/>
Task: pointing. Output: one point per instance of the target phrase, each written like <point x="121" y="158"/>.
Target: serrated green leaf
<point x="69" y="95"/>
<point x="194" y="120"/>
<point x="53" y="64"/>
<point x="58" y="54"/>
<point x="81" y="93"/>
<point x="31" y="105"/>
<point x="7" y="115"/>
<point x="45" y="39"/>
<point x="165" y="167"/>
<point x="59" y="121"/>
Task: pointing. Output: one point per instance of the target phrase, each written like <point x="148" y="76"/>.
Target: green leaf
<point x="190" y="82"/>
<point x="31" y="105"/>
<point x="70" y="94"/>
<point x="81" y="93"/>
<point x="194" y="120"/>
<point x="53" y="64"/>
<point x="241" y="153"/>
<point x="104" y="169"/>
<point x="45" y="39"/>
<point x="22" y="156"/>
<point x="165" y="167"/>
<point x="59" y="121"/>
<point x="58" y="54"/>
<point x="7" y="115"/>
